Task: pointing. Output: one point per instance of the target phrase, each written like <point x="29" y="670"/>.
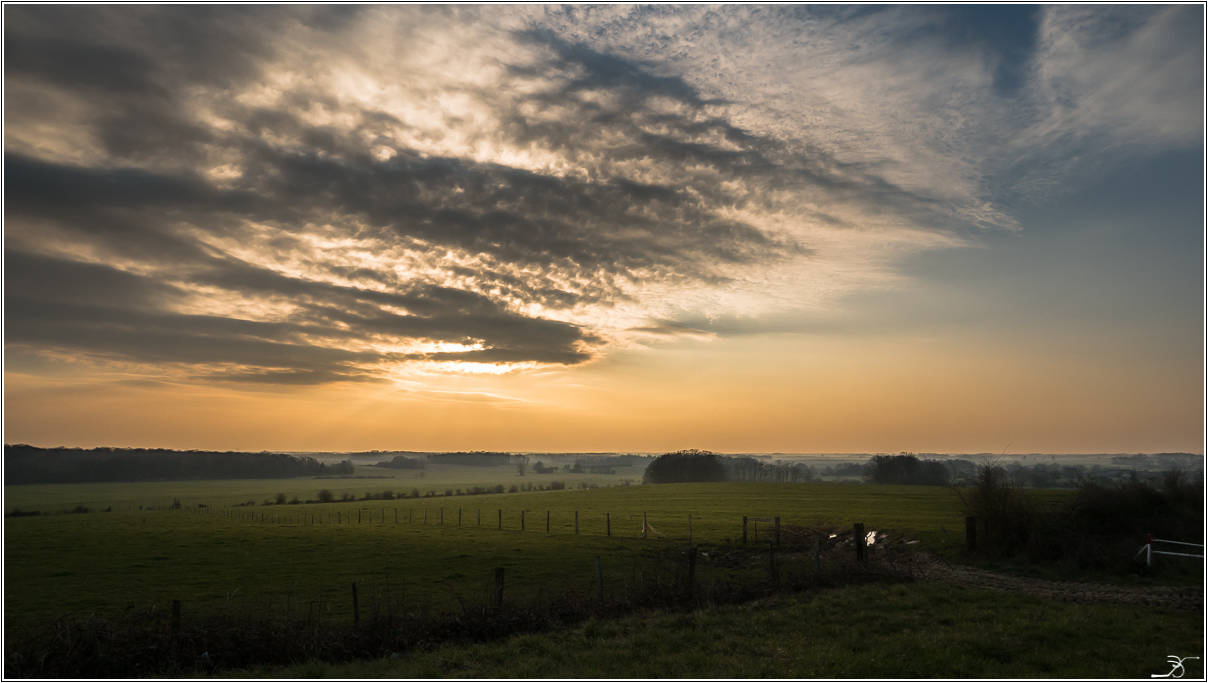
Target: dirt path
<point x="930" y="567"/>
<point x="892" y="553"/>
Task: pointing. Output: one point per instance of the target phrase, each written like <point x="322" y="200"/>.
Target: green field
<point x="912" y="630"/>
<point x="301" y="560"/>
<point x="131" y="560"/>
<point x="226" y="492"/>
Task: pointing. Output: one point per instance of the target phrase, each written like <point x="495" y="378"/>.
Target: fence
<point x="1150" y="552"/>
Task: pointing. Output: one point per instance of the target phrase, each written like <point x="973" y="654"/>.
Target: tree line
<point x="25" y="464"/>
<point x="901" y="469"/>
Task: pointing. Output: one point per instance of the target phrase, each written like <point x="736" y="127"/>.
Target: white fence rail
<point x="1150" y="552"/>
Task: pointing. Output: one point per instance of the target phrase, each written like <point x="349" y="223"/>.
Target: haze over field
<point x="532" y="228"/>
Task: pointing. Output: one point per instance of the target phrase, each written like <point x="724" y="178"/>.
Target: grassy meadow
<point x="910" y="630"/>
<point x="435" y="479"/>
<point x="224" y="558"/>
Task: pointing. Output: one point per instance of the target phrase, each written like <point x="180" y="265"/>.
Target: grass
<point x="132" y="560"/>
<point x="914" y="630"/>
<point x="52" y="498"/>
<point x="133" y="563"/>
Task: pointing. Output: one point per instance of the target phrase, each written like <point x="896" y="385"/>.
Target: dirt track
<point x="890" y="553"/>
<point x="1178" y="597"/>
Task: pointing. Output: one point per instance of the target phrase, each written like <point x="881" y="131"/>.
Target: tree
<point x="325" y="496"/>
<point x="685" y="466"/>
<point x="905" y="468"/>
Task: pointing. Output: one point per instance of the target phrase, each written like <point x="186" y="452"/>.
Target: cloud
<point x="305" y="195"/>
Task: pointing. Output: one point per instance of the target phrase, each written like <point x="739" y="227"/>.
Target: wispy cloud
<point x="311" y="195"/>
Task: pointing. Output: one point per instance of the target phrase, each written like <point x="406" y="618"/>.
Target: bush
<point x="280" y="499"/>
<point x="556" y="486"/>
<point x="1100" y="528"/>
<point x="175" y="504"/>
<point x="325" y="496"/>
<point x="387" y="495"/>
<point x="79" y="509"/>
<point x="1009" y="516"/>
<point x="415" y="493"/>
<point x="685" y="466"/>
<point x="513" y="488"/>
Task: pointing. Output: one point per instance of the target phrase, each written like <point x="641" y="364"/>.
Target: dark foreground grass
<point x="911" y="630"/>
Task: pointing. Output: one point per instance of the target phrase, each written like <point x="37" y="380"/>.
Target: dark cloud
<point x="497" y="239"/>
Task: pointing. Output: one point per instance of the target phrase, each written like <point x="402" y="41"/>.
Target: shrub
<point x="556" y="486"/>
<point x="80" y="509"/>
<point x="175" y="504"/>
<point x="1101" y="527"/>
<point x="415" y="493"/>
<point x="513" y="488"/>
<point x="1008" y="514"/>
<point x="280" y="499"/>
<point x="347" y="497"/>
<point x="387" y="495"/>
<point x="325" y="496"/>
<point x="295" y="501"/>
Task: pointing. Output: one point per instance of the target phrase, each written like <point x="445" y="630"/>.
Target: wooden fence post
<point x="479" y="516"/>
<point x="396" y="515"/>
<point x="547" y="521"/>
<point x="176" y="616"/>
<point x="442" y="516"/>
<point x="501" y="519"/>
<point x="690" y="531"/>
<point x="817" y="557"/>
<point x="643" y="525"/>
<point x="522" y="520"/>
<point x="576" y="521"/>
<point x="858" y="532"/>
<point x="339" y="518"/>
<point x="358" y="516"/>
<point x="608" y="522"/>
<point x="744" y="529"/>
<point x="600" y="578"/>
<point x="458" y="516"/>
<point x="776" y="521"/>
<point x="691" y="570"/>
<point x="356" y="608"/>
<point x="971" y="534"/>
<point x="499" y="585"/>
<point x="425" y="515"/>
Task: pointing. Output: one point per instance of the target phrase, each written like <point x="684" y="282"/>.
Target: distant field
<point x="131" y="560"/>
<point x="226" y="492"/>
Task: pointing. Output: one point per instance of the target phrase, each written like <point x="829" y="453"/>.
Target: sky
<point x="742" y="228"/>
